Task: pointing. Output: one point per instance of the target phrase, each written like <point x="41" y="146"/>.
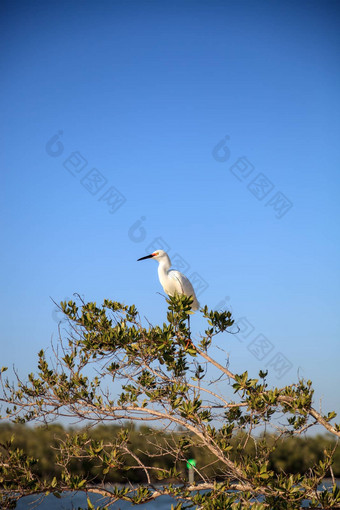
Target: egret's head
<point x="157" y="255"/>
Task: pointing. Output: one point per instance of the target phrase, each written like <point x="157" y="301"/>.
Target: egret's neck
<point x="164" y="265"/>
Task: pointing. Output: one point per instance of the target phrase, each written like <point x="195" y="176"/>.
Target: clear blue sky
<point x="144" y="93"/>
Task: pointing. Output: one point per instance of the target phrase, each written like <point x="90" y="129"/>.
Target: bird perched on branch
<point x="172" y="281"/>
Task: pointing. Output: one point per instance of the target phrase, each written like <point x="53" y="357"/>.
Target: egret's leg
<point x="189" y="339"/>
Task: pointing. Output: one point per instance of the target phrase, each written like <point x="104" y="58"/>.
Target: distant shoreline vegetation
<point x="293" y="455"/>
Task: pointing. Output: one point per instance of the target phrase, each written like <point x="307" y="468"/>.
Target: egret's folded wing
<point x="185" y="286"/>
<point x="183" y="282"/>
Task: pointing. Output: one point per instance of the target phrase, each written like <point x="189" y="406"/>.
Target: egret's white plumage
<point x="172" y="281"/>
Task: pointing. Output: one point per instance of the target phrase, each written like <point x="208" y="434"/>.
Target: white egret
<point x="172" y="281"/>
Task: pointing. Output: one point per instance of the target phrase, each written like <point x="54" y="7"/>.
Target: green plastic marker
<point x="191" y="463"/>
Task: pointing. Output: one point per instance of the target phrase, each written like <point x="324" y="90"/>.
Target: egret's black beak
<point x="147" y="257"/>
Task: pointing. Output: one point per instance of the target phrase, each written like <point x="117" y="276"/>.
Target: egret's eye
<point x="155" y="253"/>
